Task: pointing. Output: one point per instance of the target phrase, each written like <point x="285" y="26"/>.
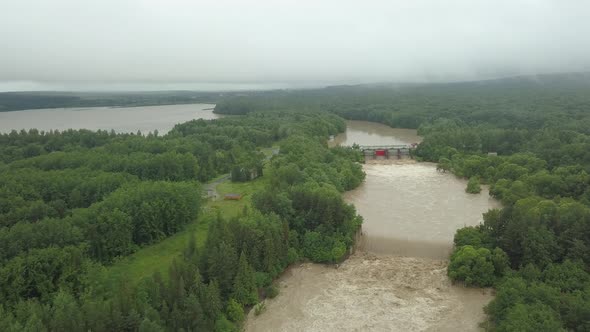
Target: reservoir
<point x="371" y="133"/>
<point x="120" y="119"/>
<point x="396" y="280"/>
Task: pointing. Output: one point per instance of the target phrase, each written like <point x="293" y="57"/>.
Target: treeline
<point x="14" y="101"/>
<point x="93" y="197"/>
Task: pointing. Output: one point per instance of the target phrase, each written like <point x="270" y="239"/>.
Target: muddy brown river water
<point x="411" y="209"/>
<point x="396" y="280"/>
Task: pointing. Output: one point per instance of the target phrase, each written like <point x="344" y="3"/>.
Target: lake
<point x="120" y="119"/>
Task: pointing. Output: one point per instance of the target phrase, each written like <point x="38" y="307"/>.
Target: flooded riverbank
<point x="396" y="280"/>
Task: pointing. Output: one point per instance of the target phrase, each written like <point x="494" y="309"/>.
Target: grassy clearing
<point x="229" y="208"/>
<point x="159" y="257"/>
<point x="215" y="179"/>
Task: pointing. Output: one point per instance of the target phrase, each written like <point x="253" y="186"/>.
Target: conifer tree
<point x="191" y="252"/>
<point x="211" y="302"/>
<point x="222" y="266"/>
<point x="194" y="315"/>
<point x="244" y="290"/>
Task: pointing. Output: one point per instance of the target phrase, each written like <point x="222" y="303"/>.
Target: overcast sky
<point x="298" y="41"/>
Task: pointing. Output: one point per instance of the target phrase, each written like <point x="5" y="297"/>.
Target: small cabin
<point x="234" y="197"/>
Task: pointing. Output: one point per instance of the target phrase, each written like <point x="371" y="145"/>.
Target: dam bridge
<point x="387" y="151"/>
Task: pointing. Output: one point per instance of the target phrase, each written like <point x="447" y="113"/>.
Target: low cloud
<point x="182" y="41"/>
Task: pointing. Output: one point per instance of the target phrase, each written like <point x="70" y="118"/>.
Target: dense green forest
<point x="76" y="201"/>
<point x="529" y="139"/>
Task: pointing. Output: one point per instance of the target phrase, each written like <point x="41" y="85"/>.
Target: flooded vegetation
<point x="120" y="119"/>
<point x="396" y="280"/>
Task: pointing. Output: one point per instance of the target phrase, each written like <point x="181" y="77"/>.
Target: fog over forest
<point x="65" y="44"/>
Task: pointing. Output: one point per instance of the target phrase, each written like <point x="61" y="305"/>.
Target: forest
<point x="529" y="140"/>
<point x="75" y="202"/>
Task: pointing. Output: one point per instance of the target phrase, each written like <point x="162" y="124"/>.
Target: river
<point x="396" y="280"/>
<point x="120" y="119"/>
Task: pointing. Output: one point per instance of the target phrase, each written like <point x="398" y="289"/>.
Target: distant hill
<point x="559" y="80"/>
<point x="14" y="101"/>
<point x="361" y="93"/>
